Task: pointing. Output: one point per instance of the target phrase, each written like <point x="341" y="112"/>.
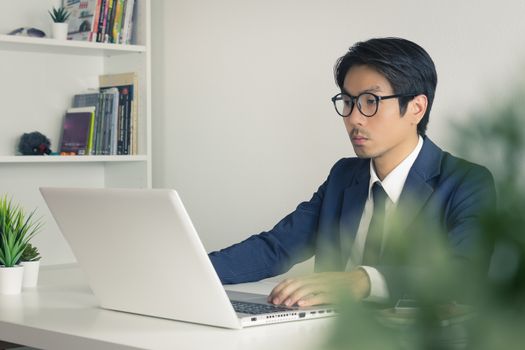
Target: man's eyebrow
<point x="374" y="88"/>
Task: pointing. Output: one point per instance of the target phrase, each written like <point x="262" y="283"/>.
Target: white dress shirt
<point x="393" y="185"/>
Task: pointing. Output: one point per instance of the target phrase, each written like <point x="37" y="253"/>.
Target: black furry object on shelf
<point x="34" y="144"/>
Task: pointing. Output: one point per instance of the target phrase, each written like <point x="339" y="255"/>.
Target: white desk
<point x="62" y="313"/>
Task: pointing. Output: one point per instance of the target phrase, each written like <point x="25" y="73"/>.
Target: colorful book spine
<point x="91" y="99"/>
<point x="117" y="22"/>
<point x="102" y="20"/>
<point x="125" y="33"/>
<point x="94" y="28"/>
<point x="107" y="21"/>
<point x="77" y="131"/>
<point x="91" y="129"/>
<point x="112" y="119"/>
<point x="127" y="85"/>
<point x="107" y="24"/>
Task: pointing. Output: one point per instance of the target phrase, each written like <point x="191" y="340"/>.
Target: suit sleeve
<point x="474" y="195"/>
<point x="274" y="252"/>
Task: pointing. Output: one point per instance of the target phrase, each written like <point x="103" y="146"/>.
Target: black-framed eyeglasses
<point x="367" y="103"/>
<point x="25" y="31"/>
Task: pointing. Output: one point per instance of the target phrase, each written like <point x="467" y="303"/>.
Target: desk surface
<point x="62" y="313"/>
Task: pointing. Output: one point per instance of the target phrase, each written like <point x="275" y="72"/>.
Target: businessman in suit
<point x="387" y="87"/>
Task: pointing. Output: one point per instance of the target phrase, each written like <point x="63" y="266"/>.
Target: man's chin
<point x="361" y="153"/>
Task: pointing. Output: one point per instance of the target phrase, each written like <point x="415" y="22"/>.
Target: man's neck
<point x="387" y="162"/>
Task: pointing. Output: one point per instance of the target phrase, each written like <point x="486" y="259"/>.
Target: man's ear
<point x="417" y="108"/>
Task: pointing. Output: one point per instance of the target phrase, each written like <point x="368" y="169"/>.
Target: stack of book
<point x="104" y="21"/>
<point x="103" y="122"/>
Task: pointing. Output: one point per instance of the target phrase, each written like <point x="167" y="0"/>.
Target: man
<point x="387" y="88"/>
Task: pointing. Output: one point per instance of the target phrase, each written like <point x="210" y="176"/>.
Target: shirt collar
<point x="393" y="183"/>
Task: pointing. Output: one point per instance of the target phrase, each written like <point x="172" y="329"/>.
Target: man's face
<point x="387" y="136"/>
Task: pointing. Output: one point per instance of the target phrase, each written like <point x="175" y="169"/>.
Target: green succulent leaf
<point x="59" y="15"/>
<point x="30" y="253"/>
<point x="16" y="230"/>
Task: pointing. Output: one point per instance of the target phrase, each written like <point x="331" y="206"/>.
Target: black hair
<point x="406" y="66"/>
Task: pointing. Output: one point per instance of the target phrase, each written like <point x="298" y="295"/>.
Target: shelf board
<point x="72" y="47"/>
<point x="71" y="159"/>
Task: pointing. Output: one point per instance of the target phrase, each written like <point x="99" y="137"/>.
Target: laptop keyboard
<point x="256" y="309"/>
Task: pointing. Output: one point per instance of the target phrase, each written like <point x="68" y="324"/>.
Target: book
<point x="81" y="20"/>
<point x="126" y="92"/>
<point x="77" y="131"/>
<point x="102" y="20"/>
<point x="111" y="114"/>
<point x="92" y="99"/>
<point x="114" y="128"/>
<point x="117" y="21"/>
<point x="108" y="24"/>
<point x="105" y="125"/>
<point x="94" y="29"/>
<point x="127" y="124"/>
<point x="127" y="20"/>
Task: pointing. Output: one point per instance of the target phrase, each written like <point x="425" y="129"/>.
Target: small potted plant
<point x="30" y="260"/>
<point x="16" y="230"/>
<point x="59" y="17"/>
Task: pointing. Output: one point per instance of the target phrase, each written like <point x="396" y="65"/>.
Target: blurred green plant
<point x="16" y="230"/>
<point x="494" y="137"/>
<point x="59" y="15"/>
<point x="30" y="253"/>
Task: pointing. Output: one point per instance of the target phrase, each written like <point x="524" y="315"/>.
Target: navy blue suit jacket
<point x="446" y="193"/>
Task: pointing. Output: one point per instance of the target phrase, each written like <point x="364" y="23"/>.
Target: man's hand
<point x="320" y="288"/>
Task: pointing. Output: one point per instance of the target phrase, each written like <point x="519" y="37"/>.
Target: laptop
<point x="141" y="254"/>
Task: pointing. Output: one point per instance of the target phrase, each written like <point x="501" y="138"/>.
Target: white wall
<point x="243" y="125"/>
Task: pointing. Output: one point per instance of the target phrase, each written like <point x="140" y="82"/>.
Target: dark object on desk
<point x="26" y="31"/>
<point x="34" y="144"/>
<point x="406" y="305"/>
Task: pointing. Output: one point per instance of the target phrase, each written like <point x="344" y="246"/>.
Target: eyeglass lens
<point x="366" y="103"/>
<point x="36" y="33"/>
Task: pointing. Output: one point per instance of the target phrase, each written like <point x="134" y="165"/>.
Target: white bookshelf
<point x="39" y="78"/>
<point x="21" y="43"/>
<point x="71" y="159"/>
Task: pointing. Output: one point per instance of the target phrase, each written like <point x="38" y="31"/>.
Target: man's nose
<point x="356" y="118"/>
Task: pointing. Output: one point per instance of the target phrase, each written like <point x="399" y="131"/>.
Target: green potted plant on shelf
<point x="59" y="17"/>
<point x="30" y="260"/>
<point x="16" y="230"/>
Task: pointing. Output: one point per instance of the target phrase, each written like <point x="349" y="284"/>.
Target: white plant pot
<point x="60" y="31"/>
<point x="31" y="269"/>
<point x="11" y="279"/>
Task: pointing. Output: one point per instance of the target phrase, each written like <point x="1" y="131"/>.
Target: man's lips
<point x="358" y="140"/>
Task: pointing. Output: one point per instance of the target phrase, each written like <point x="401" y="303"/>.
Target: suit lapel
<point x="354" y="200"/>
<point x="418" y="186"/>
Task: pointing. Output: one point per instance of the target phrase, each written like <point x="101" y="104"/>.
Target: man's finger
<point x="299" y="293"/>
<point x="315" y="299"/>
<point x="289" y="291"/>
<point x="319" y="289"/>
<point x="283" y="292"/>
<point x="278" y="289"/>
